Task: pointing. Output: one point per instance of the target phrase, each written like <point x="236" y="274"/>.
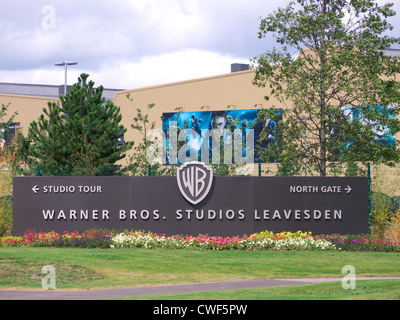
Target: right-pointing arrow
<point x="348" y="189"/>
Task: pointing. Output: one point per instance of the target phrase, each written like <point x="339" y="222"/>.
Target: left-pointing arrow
<point x="35" y="189"/>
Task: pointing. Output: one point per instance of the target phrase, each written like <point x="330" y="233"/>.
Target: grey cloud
<point x="98" y="32"/>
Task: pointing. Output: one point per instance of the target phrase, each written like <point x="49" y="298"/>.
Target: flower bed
<point x="360" y="243"/>
<point x="202" y="242"/>
<point x="89" y="239"/>
<point x="265" y="240"/>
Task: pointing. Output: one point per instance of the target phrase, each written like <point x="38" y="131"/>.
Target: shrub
<point x="381" y="210"/>
<point x="393" y="229"/>
<point x="6" y="215"/>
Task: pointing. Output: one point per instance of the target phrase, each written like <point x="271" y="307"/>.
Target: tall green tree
<point x="80" y="135"/>
<point x="330" y="66"/>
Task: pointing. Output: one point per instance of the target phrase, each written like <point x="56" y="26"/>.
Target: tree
<point x="7" y="171"/>
<point x="342" y="88"/>
<point x="147" y="157"/>
<point x="5" y="125"/>
<point x="80" y="135"/>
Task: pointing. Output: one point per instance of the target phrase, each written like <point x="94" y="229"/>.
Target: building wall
<point x="29" y="108"/>
<point x="215" y="93"/>
<point x="235" y="89"/>
<point x="212" y="93"/>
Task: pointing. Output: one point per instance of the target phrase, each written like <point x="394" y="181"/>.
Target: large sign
<point x="198" y="130"/>
<point x="192" y="203"/>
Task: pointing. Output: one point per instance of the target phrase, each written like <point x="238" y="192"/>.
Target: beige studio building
<point x="227" y="92"/>
<point x="233" y="93"/>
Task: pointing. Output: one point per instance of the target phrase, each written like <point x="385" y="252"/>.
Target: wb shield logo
<point x="194" y="180"/>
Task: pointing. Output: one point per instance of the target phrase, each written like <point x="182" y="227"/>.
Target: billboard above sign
<point x="198" y="128"/>
<point x="195" y="202"/>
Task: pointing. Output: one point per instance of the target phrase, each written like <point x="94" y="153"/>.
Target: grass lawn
<point x="112" y="268"/>
<point x="365" y="290"/>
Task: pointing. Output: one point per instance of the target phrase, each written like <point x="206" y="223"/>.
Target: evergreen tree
<point x="80" y="135"/>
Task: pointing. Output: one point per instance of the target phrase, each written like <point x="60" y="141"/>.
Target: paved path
<point x="144" y="291"/>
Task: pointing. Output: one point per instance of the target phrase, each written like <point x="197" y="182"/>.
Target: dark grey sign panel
<point x="319" y="205"/>
<point x="222" y="212"/>
<point x="232" y="206"/>
<point x="69" y="203"/>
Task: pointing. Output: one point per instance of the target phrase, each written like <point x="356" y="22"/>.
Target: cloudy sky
<point x="129" y="44"/>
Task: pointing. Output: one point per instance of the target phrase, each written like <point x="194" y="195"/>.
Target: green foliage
<point x="6" y="215"/>
<point x="382" y="208"/>
<point x="147" y="158"/>
<point x="5" y="123"/>
<point x="80" y="136"/>
<point x="7" y="171"/>
<point x="324" y="65"/>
